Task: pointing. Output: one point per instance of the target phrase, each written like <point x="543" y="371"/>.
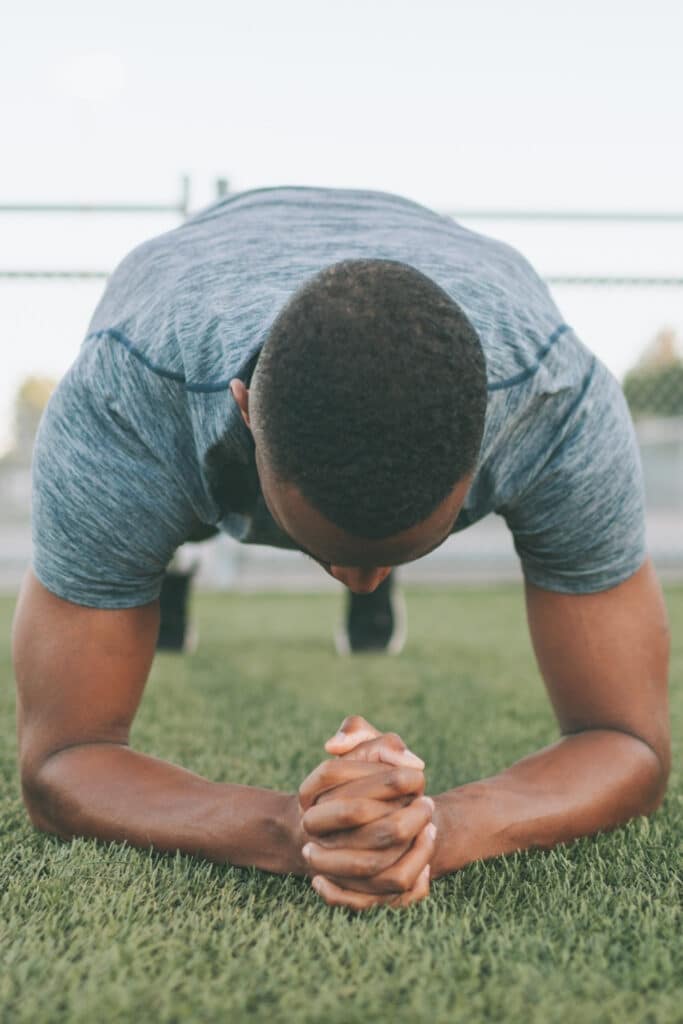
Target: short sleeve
<point x="110" y="501"/>
<point x="579" y="525"/>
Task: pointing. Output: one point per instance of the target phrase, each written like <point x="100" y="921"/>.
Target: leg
<point x="176" y="632"/>
<point x="374" y="622"/>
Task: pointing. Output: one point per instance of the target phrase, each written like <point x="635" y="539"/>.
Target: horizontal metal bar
<point x="181" y="207"/>
<point x="615" y="280"/>
<point x="561" y="279"/>
<point x="611" y="216"/>
<point x="54" y="275"/>
<point x="626" y="216"/>
<point x="175" y="208"/>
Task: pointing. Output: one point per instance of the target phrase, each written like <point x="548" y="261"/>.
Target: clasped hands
<point x="367" y="829"/>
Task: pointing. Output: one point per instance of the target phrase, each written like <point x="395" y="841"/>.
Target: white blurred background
<point x="532" y="106"/>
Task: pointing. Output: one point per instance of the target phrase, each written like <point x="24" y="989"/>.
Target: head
<point x="367" y="410"/>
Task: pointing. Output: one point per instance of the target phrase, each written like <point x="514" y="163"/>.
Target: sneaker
<point x="176" y="633"/>
<point x="374" y="622"/>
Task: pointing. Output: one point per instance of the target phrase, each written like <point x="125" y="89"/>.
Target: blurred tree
<point x="29" y="404"/>
<point x="654" y="387"/>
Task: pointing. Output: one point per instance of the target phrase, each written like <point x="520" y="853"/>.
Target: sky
<point x="455" y="105"/>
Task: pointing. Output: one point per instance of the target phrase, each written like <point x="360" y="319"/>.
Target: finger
<point x="344" y="817"/>
<point x="383" y="807"/>
<point x="393" y="829"/>
<point x="393" y="802"/>
<point x="386" y="784"/>
<point x="402" y="876"/>
<point x="353" y="730"/>
<point x="350" y="863"/>
<point x="389" y="748"/>
<point x="334" y="772"/>
<point x="336" y="896"/>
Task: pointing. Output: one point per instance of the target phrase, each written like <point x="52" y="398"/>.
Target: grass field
<point x="589" y="932"/>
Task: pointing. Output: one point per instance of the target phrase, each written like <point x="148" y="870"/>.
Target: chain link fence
<point x="655" y="391"/>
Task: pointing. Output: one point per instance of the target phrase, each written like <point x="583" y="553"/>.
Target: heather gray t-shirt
<point x="142" y="446"/>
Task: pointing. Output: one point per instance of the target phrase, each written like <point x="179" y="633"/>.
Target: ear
<point x="241" y="395"/>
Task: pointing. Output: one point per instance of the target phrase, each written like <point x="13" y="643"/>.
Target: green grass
<point x="589" y="932"/>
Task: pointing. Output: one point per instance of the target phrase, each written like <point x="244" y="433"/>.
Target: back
<point x="142" y="446"/>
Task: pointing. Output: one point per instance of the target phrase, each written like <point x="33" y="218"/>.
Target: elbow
<point x="660" y="785"/>
<point x="35" y="805"/>
<point x="39" y="800"/>
<point x="659" y="770"/>
<point x="663" y="754"/>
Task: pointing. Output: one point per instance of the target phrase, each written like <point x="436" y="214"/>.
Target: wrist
<point x="460" y="816"/>
<point x="293" y="837"/>
<point x="257" y="828"/>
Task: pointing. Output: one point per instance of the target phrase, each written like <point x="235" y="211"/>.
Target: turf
<point x="589" y="932"/>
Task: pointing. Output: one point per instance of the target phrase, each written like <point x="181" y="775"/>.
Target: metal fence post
<point x="185" y="195"/>
<point x="222" y="188"/>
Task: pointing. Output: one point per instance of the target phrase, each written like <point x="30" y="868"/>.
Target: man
<point x="352" y="375"/>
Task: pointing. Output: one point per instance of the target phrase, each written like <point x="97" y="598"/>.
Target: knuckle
<point x="313" y="822"/>
<point x="402" y="881"/>
<point x="385" y="835"/>
<point x="327" y="770"/>
<point x="305" y="798"/>
<point x="404" y="780"/>
<point x="393" y="739"/>
<point x="313" y="782"/>
<point x="308" y="819"/>
<point x="307" y="785"/>
<point x="375" y="864"/>
<point x="402" y="830"/>
<point x="396" y="779"/>
<point x="350" y="813"/>
<point x="328" y="776"/>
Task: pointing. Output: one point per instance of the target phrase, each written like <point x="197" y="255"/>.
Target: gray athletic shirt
<point x="142" y="446"/>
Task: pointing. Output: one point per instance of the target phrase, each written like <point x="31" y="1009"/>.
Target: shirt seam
<point x="160" y="371"/>
<point x="208" y="387"/>
<point x="525" y="374"/>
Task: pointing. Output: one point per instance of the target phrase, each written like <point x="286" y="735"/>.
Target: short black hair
<point x="371" y="395"/>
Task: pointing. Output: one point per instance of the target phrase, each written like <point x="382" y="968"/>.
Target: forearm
<point x="585" y="783"/>
<point x="108" y="791"/>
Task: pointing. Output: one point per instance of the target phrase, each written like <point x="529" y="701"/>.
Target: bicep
<point x="80" y="672"/>
<point x="604" y="657"/>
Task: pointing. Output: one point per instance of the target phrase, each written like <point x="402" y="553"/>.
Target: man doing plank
<point x="352" y="375"/>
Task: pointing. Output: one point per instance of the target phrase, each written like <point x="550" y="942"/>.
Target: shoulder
<point x="116" y="483"/>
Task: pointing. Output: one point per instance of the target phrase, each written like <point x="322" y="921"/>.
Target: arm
<point x="80" y="677"/>
<point x="604" y="659"/>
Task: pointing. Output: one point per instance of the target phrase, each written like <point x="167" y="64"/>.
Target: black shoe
<point x="374" y="622"/>
<point x="175" y="632"/>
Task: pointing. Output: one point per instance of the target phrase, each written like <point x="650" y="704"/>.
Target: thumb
<point x="351" y="732"/>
